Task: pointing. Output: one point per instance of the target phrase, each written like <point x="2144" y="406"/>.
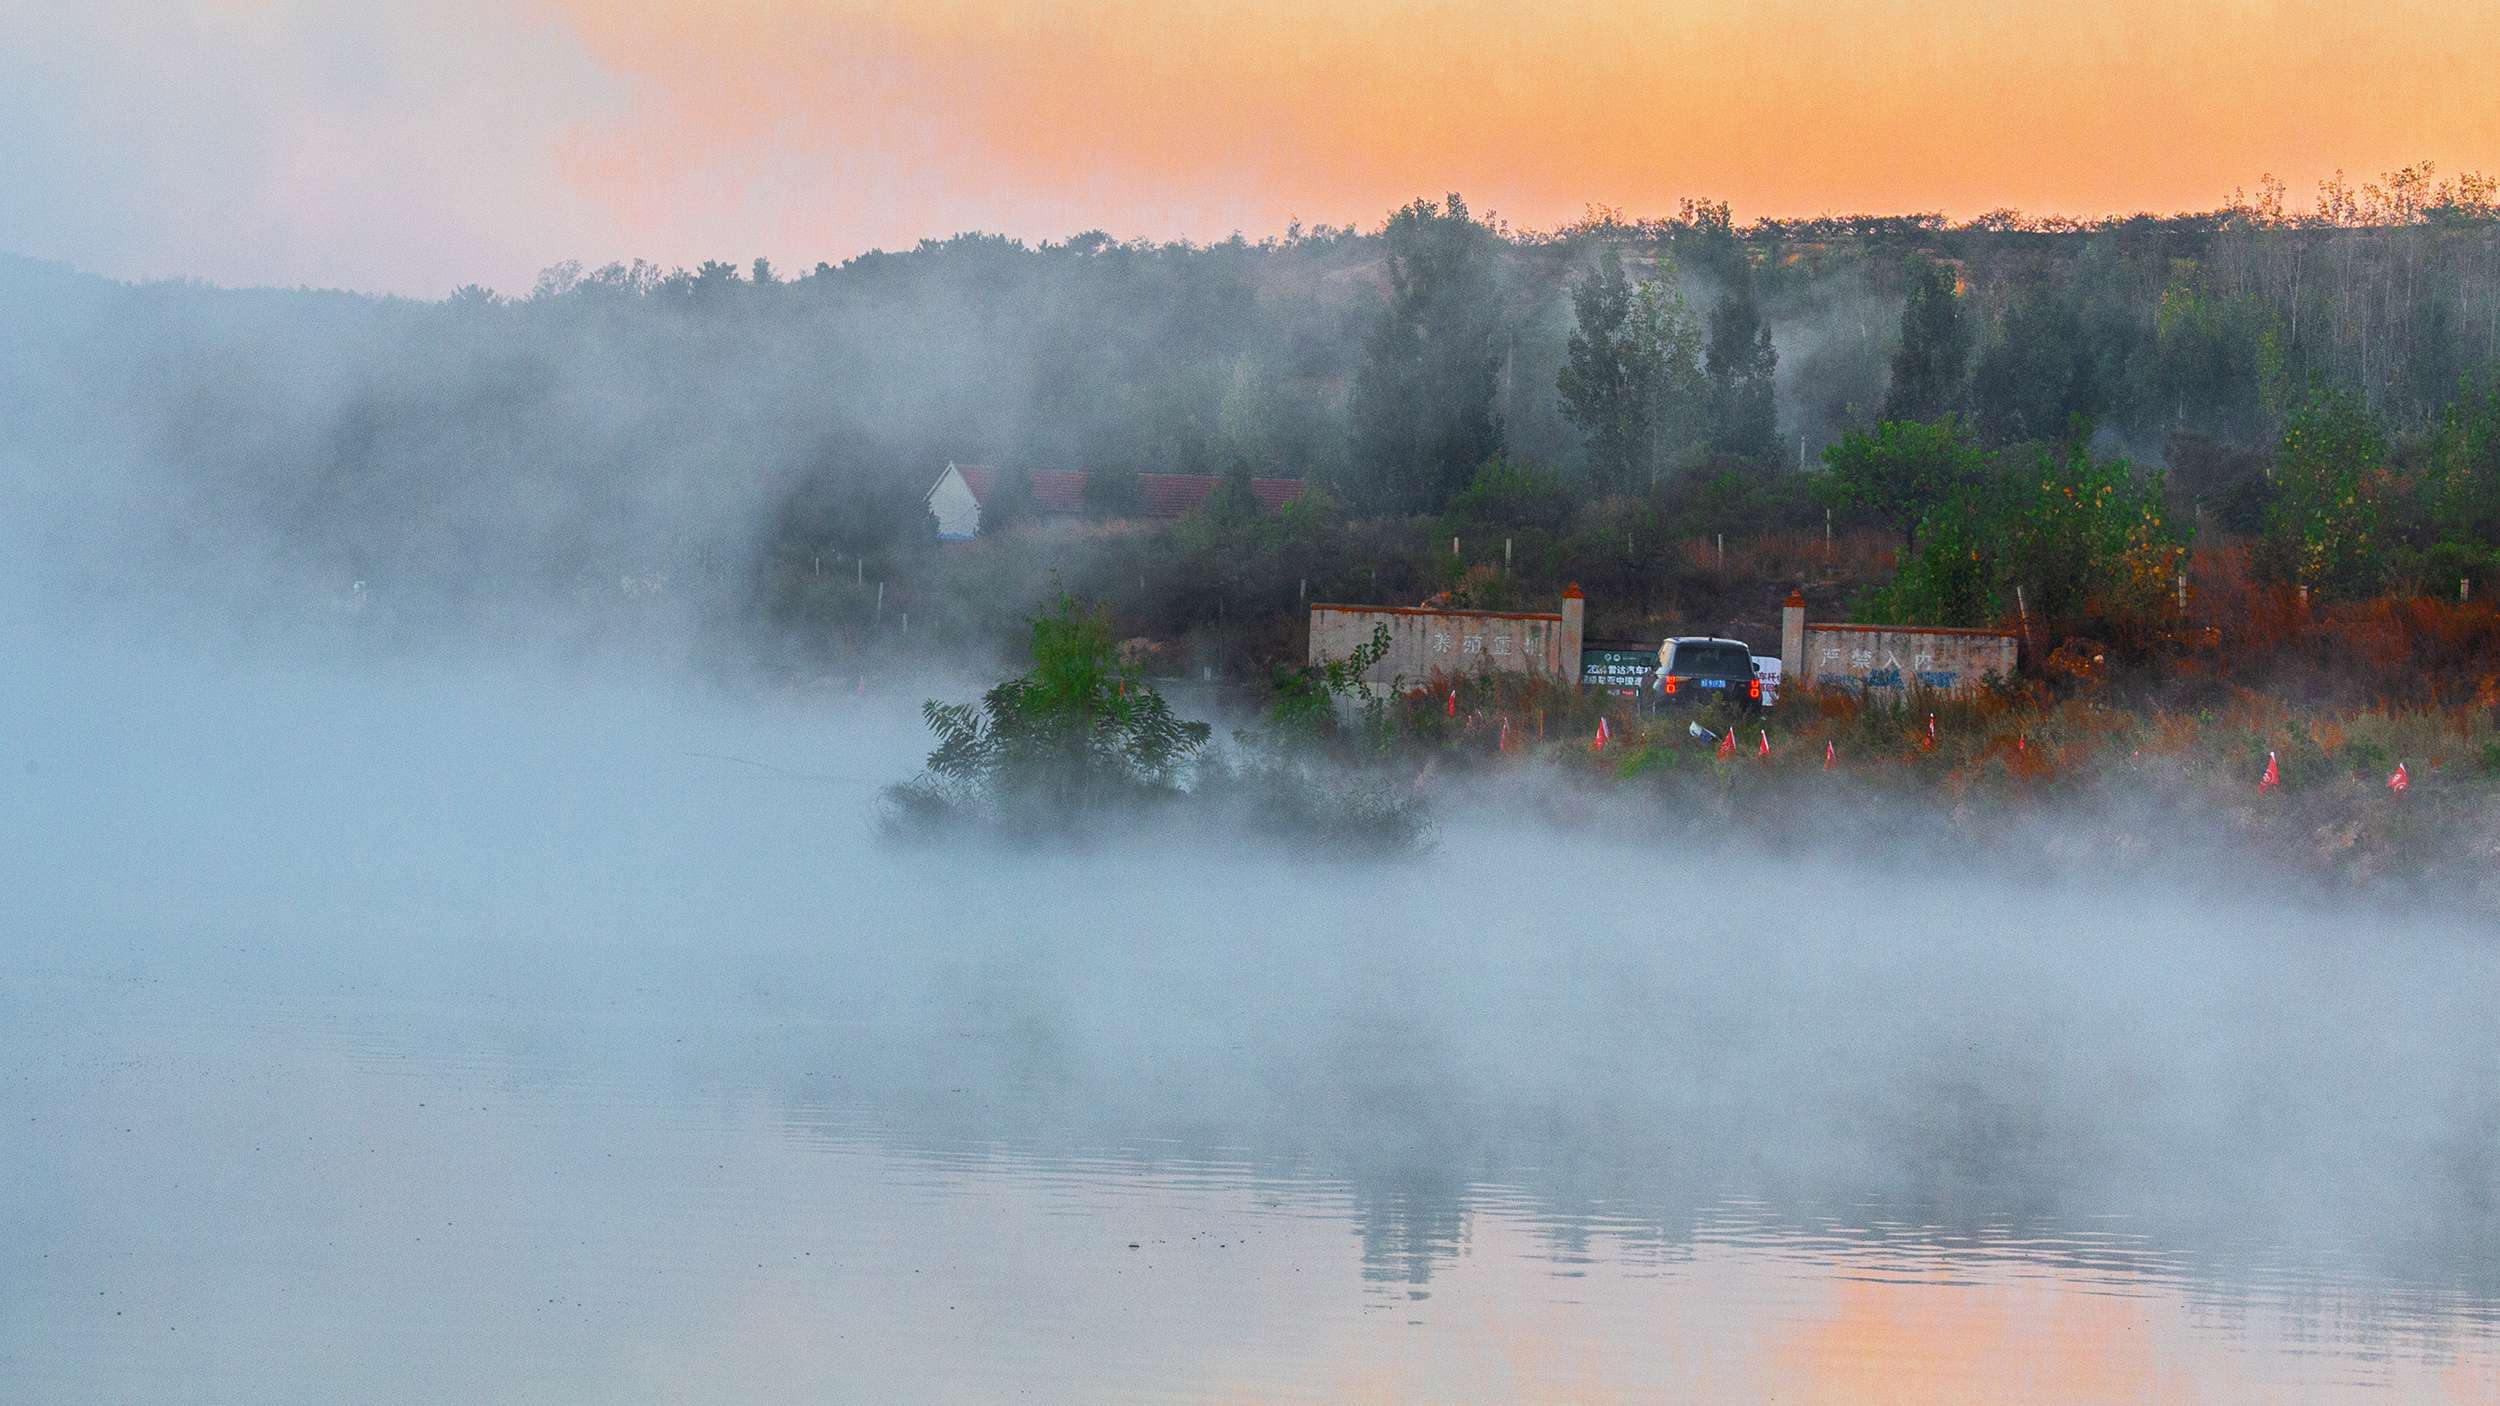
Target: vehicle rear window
<point x="1731" y="661"/>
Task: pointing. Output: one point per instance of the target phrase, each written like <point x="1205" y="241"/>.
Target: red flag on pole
<point x="2400" y="781"/>
<point x="2273" y="776"/>
<point x="1931" y="732"/>
<point x="1829" y="756"/>
<point x="1727" y="744"/>
<point x="1453" y="708"/>
<point x="1600" y="744"/>
<point x="1765" y="753"/>
<point x="1504" y="744"/>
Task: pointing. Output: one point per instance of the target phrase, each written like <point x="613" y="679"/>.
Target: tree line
<point x="710" y="424"/>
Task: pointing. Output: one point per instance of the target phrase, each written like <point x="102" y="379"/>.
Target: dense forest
<point x="2061" y="404"/>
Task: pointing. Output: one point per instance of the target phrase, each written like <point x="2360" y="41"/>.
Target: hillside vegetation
<point x="1958" y="423"/>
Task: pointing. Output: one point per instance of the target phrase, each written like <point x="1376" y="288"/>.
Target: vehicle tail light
<point x="1669" y="681"/>
<point x="1755" y="689"/>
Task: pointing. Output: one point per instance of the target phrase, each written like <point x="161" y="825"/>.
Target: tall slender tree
<point x="1935" y="348"/>
<point x="1423" y="396"/>
<point x="1742" y="366"/>
<point x="1611" y="375"/>
<point x="1671" y="341"/>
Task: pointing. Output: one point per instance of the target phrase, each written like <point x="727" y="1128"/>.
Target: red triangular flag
<point x="1931" y="731"/>
<point x="2400" y="781"/>
<point x="1727" y="743"/>
<point x="1765" y="753"/>
<point x="1600" y="744"/>
<point x="2273" y="776"/>
<point x="1829" y="756"/>
<point x="1453" y="710"/>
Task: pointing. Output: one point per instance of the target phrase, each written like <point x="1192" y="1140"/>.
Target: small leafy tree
<point x="1506" y="493"/>
<point x="2088" y="535"/>
<point x="2331" y="469"/>
<point x="1080" y="730"/>
<point x="1307" y="697"/>
<point x="1950" y="580"/>
<point x="1901" y="471"/>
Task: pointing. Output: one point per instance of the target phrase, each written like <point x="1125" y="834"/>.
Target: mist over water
<point x="448" y="1027"/>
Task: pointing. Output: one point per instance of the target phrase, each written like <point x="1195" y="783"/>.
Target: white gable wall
<point x="958" y="513"/>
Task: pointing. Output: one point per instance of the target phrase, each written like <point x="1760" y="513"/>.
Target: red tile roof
<point x="1165" y="495"/>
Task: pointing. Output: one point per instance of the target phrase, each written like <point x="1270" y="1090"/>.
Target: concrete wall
<point x="1877" y="658"/>
<point x="1452" y="642"/>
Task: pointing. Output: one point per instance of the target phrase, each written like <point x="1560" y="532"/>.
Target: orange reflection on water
<point x="1915" y="1342"/>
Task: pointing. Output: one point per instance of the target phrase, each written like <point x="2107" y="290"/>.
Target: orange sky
<point x="413" y="147"/>
<point x="1045" y="116"/>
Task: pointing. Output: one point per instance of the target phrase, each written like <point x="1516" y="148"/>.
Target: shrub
<point x="1081" y="729"/>
<point x="2324" y="527"/>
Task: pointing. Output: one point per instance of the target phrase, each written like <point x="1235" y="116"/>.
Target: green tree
<point x="1670" y="340"/>
<point x="2464" y="469"/>
<point x="1950" y="580"/>
<point x="1706" y="229"/>
<point x="1935" y="348"/>
<point x="1423" y="396"/>
<point x="1612" y="374"/>
<point x="2330" y="475"/>
<point x="2039" y="378"/>
<point x="2215" y="362"/>
<point x="1308" y="699"/>
<point x="714" y="282"/>
<point x="1246" y="416"/>
<point x="1234" y="505"/>
<point x="1742" y="367"/>
<point x="1507" y="494"/>
<point x="1900" y="471"/>
<point x="2085" y="540"/>
<point x="2089" y="536"/>
<point x="1079" y="730"/>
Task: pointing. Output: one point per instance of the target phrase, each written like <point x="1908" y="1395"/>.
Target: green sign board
<point x="1622" y="670"/>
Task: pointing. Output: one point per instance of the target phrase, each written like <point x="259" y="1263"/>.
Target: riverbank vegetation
<point x="2069" y="779"/>
<point x="2343" y="787"/>
<point x="1633" y="403"/>
<point x="1083" y="745"/>
<point x="2204" y="464"/>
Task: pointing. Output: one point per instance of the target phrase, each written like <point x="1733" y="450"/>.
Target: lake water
<point x="435" y="1044"/>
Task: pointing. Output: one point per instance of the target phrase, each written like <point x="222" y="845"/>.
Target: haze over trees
<point x="2320" y="381"/>
<point x="1423" y="407"/>
<point x="1927" y="367"/>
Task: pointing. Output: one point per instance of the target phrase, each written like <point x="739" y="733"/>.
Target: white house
<point x="955" y="506"/>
